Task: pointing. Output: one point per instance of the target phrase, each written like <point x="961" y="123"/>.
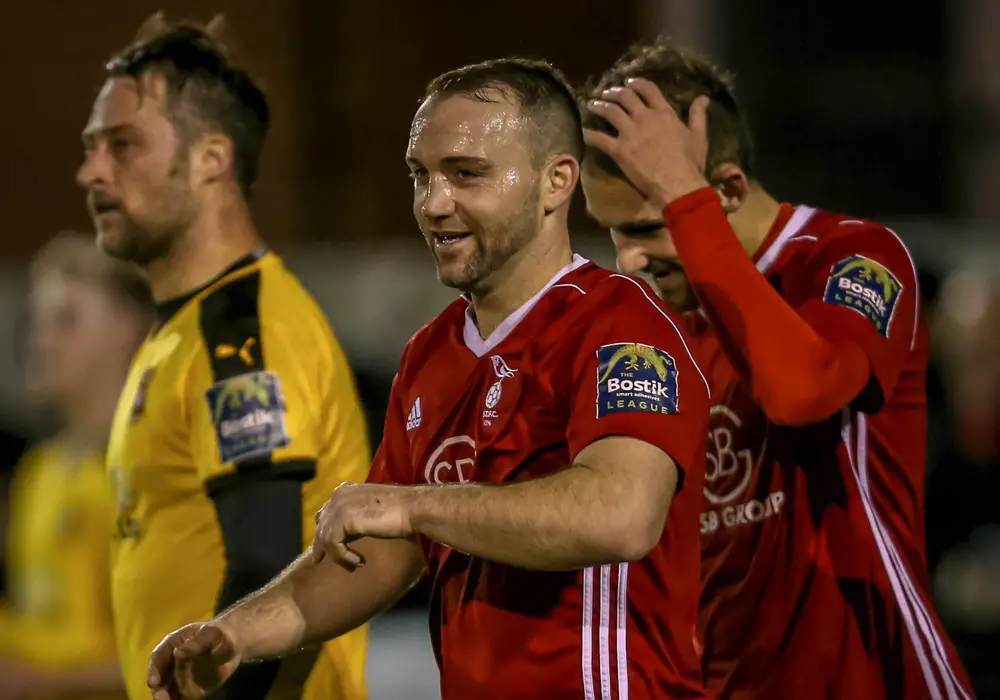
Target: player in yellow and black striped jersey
<point x="240" y="415"/>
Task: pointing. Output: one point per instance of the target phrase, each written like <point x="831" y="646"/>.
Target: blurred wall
<point x="343" y="78"/>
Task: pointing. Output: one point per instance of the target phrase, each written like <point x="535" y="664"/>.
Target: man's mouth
<point x="100" y="207"/>
<point x="449" y="239"/>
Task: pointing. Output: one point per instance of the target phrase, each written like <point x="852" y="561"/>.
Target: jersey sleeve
<point x="634" y="376"/>
<point x="862" y="288"/>
<point x="392" y="463"/>
<point x="254" y="393"/>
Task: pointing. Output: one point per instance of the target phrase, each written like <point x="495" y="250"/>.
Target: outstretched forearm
<point x="579" y="517"/>
<point x="312" y="602"/>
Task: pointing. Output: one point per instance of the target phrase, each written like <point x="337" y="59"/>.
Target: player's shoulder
<point x="838" y="233"/>
<point x="437" y="336"/>
<point x="618" y="298"/>
<point x="260" y="292"/>
<point x="38" y="456"/>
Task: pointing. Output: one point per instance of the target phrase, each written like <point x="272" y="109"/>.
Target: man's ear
<point x="211" y="157"/>
<point x="732" y="185"/>
<point x="559" y="178"/>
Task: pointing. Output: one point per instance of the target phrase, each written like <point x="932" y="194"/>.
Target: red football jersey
<point x="814" y="567"/>
<point x="593" y="354"/>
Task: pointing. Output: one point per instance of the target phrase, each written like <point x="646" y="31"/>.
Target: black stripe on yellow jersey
<point x="239" y="419"/>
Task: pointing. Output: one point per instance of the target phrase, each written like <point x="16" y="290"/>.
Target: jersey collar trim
<point x="480" y="346"/>
<point x="165" y="310"/>
<point x="800" y="217"/>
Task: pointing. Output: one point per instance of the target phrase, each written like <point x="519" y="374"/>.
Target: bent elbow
<point x="634" y="537"/>
<point x="797" y="409"/>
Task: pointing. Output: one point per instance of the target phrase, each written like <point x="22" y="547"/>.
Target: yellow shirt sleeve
<point x="256" y="405"/>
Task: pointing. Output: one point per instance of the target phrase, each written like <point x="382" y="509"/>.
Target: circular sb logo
<point x="728" y="463"/>
<point x="452" y="462"/>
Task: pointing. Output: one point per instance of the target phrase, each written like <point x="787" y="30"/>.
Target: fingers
<point x="626" y="98"/>
<point x="331" y="541"/>
<point x="347" y="557"/>
<point x="209" y="639"/>
<point x="318" y="554"/>
<point x="598" y="139"/>
<point x="698" y="117"/>
<point x="613" y="113"/>
<point x="650" y="94"/>
<point x="161" y="665"/>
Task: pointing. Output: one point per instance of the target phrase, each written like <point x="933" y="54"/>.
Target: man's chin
<point x="112" y="242"/>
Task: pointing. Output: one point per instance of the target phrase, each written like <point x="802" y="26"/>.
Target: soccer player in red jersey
<point x="544" y="447"/>
<point x="814" y="571"/>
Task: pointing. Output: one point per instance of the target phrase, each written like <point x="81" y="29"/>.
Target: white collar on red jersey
<point x="480" y="346"/>
<point x="796" y="223"/>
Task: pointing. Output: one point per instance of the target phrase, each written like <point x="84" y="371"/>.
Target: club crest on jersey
<point x="248" y="412"/>
<point x="866" y="286"/>
<point x="141" y="389"/>
<point x="502" y="371"/>
<point x="635" y="377"/>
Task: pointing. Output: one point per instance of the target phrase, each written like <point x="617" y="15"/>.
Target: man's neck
<point x="521" y="278"/>
<point x="754" y="220"/>
<point x="213" y="243"/>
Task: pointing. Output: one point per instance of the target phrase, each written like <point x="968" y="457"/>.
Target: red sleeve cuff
<point x="689" y="203"/>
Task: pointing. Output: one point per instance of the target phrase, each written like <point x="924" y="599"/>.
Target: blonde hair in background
<point x="75" y="256"/>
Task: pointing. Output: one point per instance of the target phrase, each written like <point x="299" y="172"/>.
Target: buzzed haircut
<point x="206" y="91"/>
<point x="682" y="75"/>
<point x="538" y="88"/>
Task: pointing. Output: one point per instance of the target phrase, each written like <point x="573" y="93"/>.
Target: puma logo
<point x="225" y="351"/>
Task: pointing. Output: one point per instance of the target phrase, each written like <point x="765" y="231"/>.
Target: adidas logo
<point x="413" y="420"/>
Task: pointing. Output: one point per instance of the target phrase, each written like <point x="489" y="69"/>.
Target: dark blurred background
<point x="887" y="110"/>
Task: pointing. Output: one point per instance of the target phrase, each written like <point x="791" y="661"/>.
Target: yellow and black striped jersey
<point x="242" y="382"/>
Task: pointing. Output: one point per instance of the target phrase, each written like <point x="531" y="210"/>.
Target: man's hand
<point x="360" y="510"/>
<point x="661" y="156"/>
<point x="193" y="661"/>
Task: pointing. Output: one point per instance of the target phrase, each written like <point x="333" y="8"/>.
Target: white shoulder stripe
<point x="679" y="334"/>
<point x="916" y="288"/>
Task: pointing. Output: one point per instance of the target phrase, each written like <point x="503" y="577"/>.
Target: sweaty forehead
<point x="613" y="202"/>
<point x="126" y="101"/>
<point x="463" y="126"/>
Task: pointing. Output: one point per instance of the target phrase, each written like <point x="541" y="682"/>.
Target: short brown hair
<point x="541" y="91"/>
<point x="206" y="91"/>
<point x="75" y="256"/>
<point x="682" y="75"/>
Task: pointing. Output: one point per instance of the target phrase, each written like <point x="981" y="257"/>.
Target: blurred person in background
<point x="963" y="519"/>
<point x="240" y="415"/>
<point x="544" y="447"/>
<point x="815" y="571"/>
<point x="88" y="314"/>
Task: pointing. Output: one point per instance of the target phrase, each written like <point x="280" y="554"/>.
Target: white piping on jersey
<point x="907" y="598"/>
<point x="916" y="289"/>
<point x="480" y="346"/>
<point x="670" y="320"/>
<point x="798" y="219"/>
<point x="609" y="601"/>
<point x="567" y="284"/>
<point x="795" y="224"/>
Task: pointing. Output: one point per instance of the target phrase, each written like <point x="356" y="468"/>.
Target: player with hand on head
<point x="240" y="415"/>
<point x="815" y="576"/>
<point x="544" y="445"/>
